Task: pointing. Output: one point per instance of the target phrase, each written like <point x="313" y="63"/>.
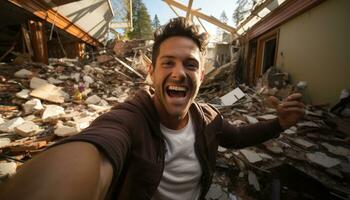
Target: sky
<point x="208" y="7"/>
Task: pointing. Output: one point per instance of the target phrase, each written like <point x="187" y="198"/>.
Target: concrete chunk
<point x="291" y="130"/>
<point x="23" y="94"/>
<point x="11" y="124"/>
<point x="52" y="112"/>
<point x="303" y="143"/>
<point x="7" y="168"/>
<point x="322" y="159"/>
<point x="37" y="82"/>
<point x="84" y="122"/>
<point x="251" y="156"/>
<point x="4" y="142"/>
<point x="64" y="131"/>
<point x="49" y="92"/>
<point x="76" y="77"/>
<point x="88" y="79"/>
<point x="231" y="97"/>
<point x="337" y="150"/>
<point x="54" y="81"/>
<point x="251" y="120"/>
<point x="308" y="124"/>
<point x="32" y="105"/>
<point x="94" y="99"/>
<point x="27" y="128"/>
<point x="23" y="73"/>
<point x="253" y="180"/>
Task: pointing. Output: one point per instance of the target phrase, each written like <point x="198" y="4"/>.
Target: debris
<point x="23" y="94"/>
<point x="7" y="168"/>
<point x="23" y="73"/>
<point x="216" y="192"/>
<point x="26" y="129"/>
<point x="291" y="130"/>
<point x="337" y="150"/>
<point x="37" y="82"/>
<point x="94" y="99"/>
<point x="64" y="131"/>
<point x="32" y="105"/>
<point x="303" y="143"/>
<point x="232" y="97"/>
<point x="322" y="159"/>
<point x="253" y="180"/>
<point x="54" y="81"/>
<point x="308" y="124"/>
<point x="222" y="149"/>
<point x="11" y="124"/>
<point x="4" y="142"/>
<point x="273" y="147"/>
<point x="88" y="79"/>
<point x="251" y="120"/>
<point x="49" y="92"/>
<point x="251" y="156"/>
<point x="52" y="112"/>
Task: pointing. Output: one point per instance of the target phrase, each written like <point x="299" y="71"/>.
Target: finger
<point x="292" y="104"/>
<point x="274" y="101"/>
<point x="294" y="97"/>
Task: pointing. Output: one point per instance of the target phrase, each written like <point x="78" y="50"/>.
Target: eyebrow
<point x="173" y="57"/>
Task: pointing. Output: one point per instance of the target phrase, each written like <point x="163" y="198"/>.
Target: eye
<point x="191" y="64"/>
<point x="167" y="63"/>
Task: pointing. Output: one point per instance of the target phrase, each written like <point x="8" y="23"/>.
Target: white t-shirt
<point x="182" y="171"/>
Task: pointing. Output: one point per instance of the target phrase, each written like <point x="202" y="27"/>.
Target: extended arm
<point x="70" y="171"/>
<point x="289" y="111"/>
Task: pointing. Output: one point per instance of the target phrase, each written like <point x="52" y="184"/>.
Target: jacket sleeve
<point x="252" y="134"/>
<point x="110" y="135"/>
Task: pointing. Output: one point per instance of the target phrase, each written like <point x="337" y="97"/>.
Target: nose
<point x="178" y="72"/>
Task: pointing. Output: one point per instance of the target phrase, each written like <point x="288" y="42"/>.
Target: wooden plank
<point x="210" y="19"/>
<point x="27" y="40"/>
<point x="46" y="13"/>
<point x="189" y="8"/>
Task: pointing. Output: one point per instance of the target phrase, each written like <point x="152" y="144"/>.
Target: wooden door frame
<point x="274" y="34"/>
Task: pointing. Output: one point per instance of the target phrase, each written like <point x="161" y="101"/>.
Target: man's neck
<point x="170" y="121"/>
<point x="174" y="122"/>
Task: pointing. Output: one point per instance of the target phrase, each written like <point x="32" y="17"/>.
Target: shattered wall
<point x="315" y="47"/>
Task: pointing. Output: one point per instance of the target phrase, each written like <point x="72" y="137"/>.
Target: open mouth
<point x="176" y="91"/>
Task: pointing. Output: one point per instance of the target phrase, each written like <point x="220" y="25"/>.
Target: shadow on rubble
<point x="287" y="183"/>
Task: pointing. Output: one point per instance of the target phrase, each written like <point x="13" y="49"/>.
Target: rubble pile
<point x="40" y="104"/>
<point x="315" y="151"/>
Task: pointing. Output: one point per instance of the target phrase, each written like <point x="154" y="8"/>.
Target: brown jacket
<point x="130" y="137"/>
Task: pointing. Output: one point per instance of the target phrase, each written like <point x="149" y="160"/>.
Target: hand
<point x="290" y="110"/>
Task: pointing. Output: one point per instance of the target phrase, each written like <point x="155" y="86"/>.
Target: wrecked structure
<point x="43" y="103"/>
<point x="43" y="29"/>
<point x="304" y="38"/>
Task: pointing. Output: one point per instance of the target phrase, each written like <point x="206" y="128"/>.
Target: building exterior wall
<point x="315" y="47"/>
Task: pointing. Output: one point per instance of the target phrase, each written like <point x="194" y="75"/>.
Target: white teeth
<point x="177" y="88"/>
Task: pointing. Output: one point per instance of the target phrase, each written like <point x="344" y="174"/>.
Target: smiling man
<point x="161" y="144"/>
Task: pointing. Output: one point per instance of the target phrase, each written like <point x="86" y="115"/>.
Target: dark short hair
<point x="178" y="27"/>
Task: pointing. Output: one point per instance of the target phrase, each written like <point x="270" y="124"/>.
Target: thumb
<point x="274" y="101"/>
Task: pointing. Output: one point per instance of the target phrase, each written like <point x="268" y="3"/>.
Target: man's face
<point x="177" y="76"/>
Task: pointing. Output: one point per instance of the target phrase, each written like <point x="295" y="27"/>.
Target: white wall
<point x="315" y="47"/>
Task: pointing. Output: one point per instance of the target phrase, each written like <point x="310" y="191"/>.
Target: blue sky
<point x="208" y="7"/>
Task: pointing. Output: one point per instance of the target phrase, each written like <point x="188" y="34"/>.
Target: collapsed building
<point x="278" y="51"/>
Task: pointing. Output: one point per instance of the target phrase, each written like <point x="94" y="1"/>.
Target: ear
<point x="151" y="71"/>
<point x="202" y="75"/>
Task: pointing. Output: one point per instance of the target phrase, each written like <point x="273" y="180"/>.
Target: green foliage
<point x="141" y="22"/>
<point x="223" y="17"/>
<point x="155" y="22"/>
